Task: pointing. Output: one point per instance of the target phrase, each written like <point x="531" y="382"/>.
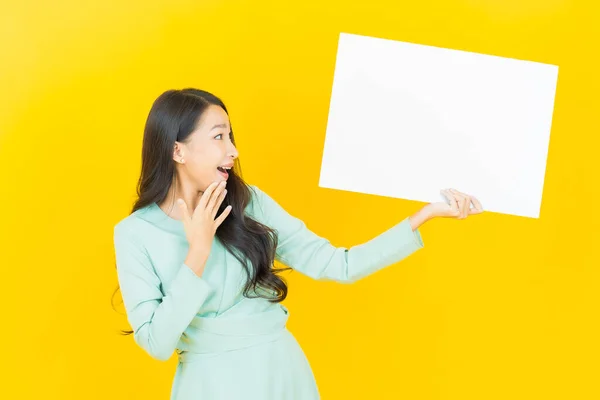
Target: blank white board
<point x="407" y="120"/>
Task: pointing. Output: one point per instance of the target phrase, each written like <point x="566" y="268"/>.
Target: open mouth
<point x="224" y="171"/>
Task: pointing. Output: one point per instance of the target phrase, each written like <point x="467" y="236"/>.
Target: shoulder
<point x="255" y="205"/>
<point x="265" y="207"/>
<point x="129" y="227"/>
<point x="261" y="205"/>
<point x="260" y="198"/>
<point x="255" y="193"/>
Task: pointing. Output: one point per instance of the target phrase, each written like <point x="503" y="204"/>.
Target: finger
<point x="218" y="203"/>
<point x="214" y="197"/>
<point x="451" y="202"/>
<point x="185" y="213"/>
<point x="464" y="201"/>
<point x="477" y="207"/>
<point x="464" y="205"/>
<point x="459" y="201"/>
<point x="202" y="204"/>
<point x="222" y="217"/>
<point x="184" y="209"/>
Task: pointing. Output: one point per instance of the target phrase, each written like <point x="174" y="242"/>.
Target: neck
<point x="181" y="189"/>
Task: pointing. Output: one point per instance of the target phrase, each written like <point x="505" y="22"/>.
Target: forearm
<point x="158" y="325"/>
<point x="158" y="313"/>
<point x="420" y="217"/>
<point x="196" y="259"/>
<point x="315" y="256"/>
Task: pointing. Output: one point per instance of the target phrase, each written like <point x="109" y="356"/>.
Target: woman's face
<point x="209" y="152"/>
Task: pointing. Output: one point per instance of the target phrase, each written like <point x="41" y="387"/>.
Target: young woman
<point x="195" y="259"/>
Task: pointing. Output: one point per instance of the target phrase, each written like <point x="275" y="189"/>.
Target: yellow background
<point x="494" y="307"/>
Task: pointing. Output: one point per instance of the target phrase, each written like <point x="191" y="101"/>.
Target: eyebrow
<point x="219" y="126"/>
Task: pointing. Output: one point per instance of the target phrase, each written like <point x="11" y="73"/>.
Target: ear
<point x="178" y="155"/>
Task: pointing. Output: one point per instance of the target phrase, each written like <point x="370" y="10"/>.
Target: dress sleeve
<point x="157" y="320"/>
<point x="301" y="249"/>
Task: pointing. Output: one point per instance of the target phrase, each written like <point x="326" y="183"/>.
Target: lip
<point x="224" y="174"/>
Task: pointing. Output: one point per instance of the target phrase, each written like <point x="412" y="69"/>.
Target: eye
<point x="220" y="136"/>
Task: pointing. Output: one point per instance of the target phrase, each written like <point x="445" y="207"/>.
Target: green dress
<point x="229" y="346"/>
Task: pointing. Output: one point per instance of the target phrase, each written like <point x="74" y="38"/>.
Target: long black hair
<point x="173" y="117"/>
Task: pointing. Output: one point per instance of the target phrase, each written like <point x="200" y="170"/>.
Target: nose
<point x="233" y="153"/>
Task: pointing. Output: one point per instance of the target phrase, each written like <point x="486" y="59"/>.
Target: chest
<point x="223" y="272"/>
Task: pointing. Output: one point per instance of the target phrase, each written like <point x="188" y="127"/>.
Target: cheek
<point x="203" y="173"/>
<point x="208" y="156"/>
<point x="204" y="167"/>
<point x="207" y="161"/>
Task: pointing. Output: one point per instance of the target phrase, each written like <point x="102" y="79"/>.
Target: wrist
<point x="420" y="217"/>
<point x="198" y="250"/>
<point x="196" y="259"/>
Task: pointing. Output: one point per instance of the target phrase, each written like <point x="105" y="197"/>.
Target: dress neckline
<point x="161" y="218"/>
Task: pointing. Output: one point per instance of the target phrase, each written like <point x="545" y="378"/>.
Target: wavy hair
<point x="173" y="117"/>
